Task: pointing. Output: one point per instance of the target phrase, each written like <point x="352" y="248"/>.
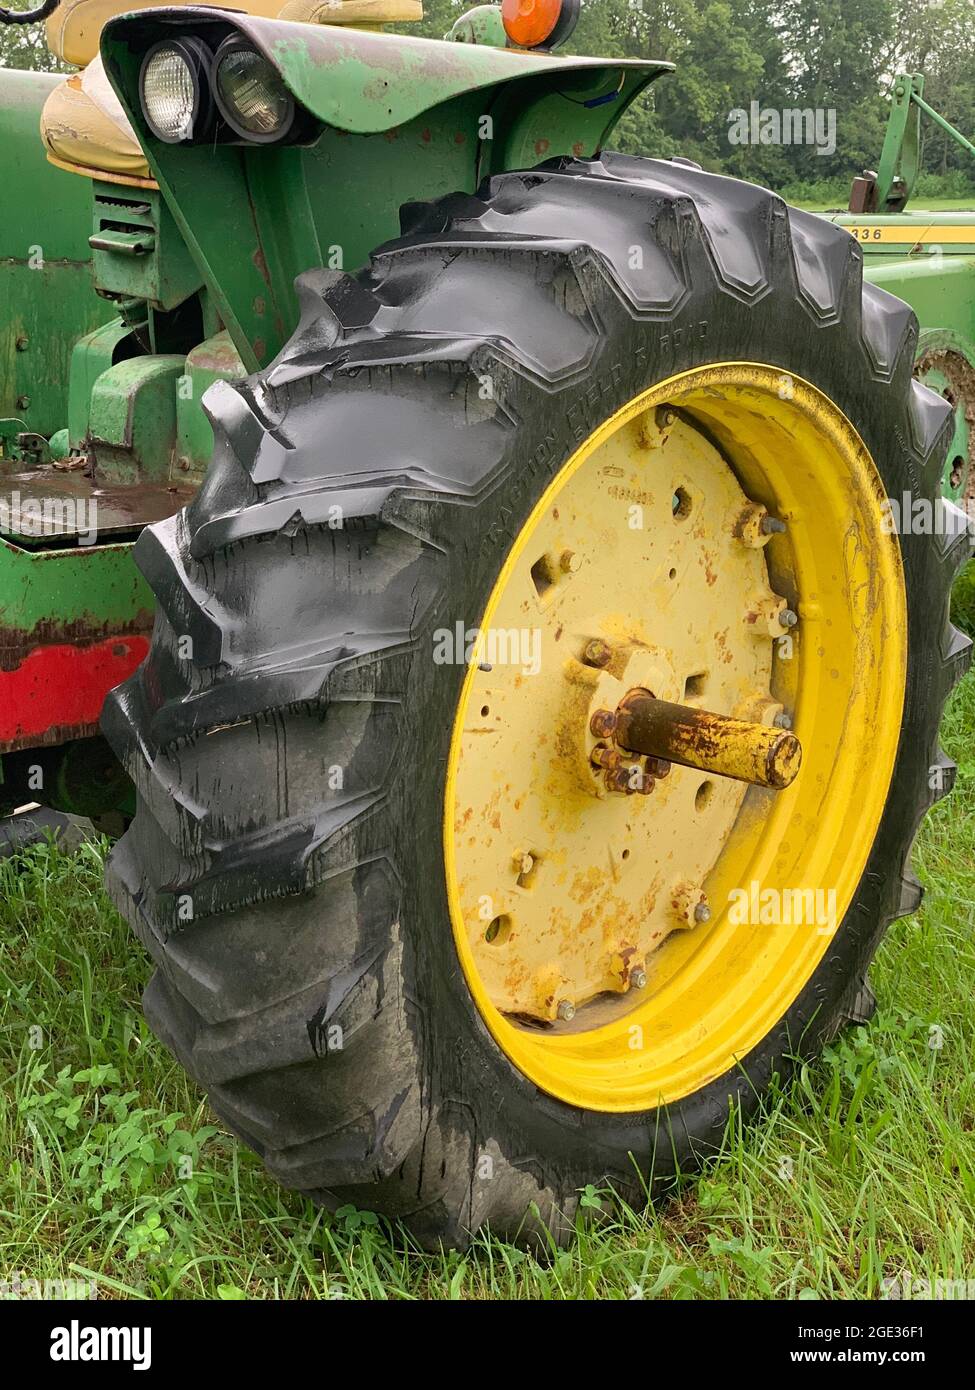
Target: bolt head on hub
<point x="566" y="1011"/>
<point x="597" y="652"/>
<point x="638" y="978"/>
<point x="617" y="779"/>
<point x="787" y="618"/>
<point x="603" y="723"/>
<point x="601" y="756"/>
<point x="702" y="913"/>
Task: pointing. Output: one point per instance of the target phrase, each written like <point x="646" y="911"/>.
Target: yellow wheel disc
<point x="630" y="931"/>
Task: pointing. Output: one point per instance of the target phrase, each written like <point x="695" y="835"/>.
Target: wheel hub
<point x="648" y="573"/>
<point x="709" y="568"/>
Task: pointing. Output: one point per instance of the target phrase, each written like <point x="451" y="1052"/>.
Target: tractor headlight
<point x="174" y="90"/>
<point x="250" y="93"/>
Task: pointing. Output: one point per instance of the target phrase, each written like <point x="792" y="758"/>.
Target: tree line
<point x="816" y="56"/>
<point x="831" y="59"/>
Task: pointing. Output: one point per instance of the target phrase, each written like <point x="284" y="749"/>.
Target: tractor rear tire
<point x="290" y="738"/>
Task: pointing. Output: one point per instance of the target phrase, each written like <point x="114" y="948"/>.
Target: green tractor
<point x="927" y="259"/>
<point x="477" y="551"/>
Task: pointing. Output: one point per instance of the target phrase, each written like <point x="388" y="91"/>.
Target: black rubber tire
<point x="312" y="908"/>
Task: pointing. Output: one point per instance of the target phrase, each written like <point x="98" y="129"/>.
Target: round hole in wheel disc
<point x="617" y="877"/>
<point x="703" y="795"/>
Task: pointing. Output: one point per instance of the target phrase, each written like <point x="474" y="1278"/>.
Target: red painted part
<point x="63" y="687"/>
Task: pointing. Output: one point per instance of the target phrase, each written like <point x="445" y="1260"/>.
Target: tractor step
<point x="63" y="506"/>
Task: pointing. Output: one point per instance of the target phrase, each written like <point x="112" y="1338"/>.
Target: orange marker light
<point x="533" y="23"/>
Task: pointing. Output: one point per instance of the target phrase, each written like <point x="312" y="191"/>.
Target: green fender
<point x="365" y="82"/>
<point x="404" y="120"/>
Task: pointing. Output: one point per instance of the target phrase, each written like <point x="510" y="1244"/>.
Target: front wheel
<point x="543" y="697"/>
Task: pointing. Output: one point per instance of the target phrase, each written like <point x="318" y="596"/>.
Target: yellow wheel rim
<point x="625" y="950"/>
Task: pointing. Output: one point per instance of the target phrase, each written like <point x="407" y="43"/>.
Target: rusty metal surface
<point x="53" y="505"/>
<point x="747" y="752"/>
<point x="960" y="376"/>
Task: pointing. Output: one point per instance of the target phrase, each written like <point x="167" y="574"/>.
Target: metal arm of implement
<point x="889" y="189"/>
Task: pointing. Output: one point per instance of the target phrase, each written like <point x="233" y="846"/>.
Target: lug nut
<point x="787" y="618"/>
<point x="566" y="1011"/>
<point x="569" y="562"/>
<point x="603" y="723"/>
<point x="647" y="784"/>
<point x="524" y="863"/>
<point x="638" y="978"/>
<point x="702" y="913"/>
<point x="772" y="526"/>
<point x="782" y="721"/>
<point x="658" y="767"/>
<point x="601" y="756"/>
<point x="617" y="779"/>
<point x="596" y="653"/>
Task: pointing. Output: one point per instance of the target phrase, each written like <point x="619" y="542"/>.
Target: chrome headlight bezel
<point x="236" y="43"/>
<point x="198" y="60"/>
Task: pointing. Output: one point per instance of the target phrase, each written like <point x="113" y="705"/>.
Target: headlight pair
<point x="182" y="85"/>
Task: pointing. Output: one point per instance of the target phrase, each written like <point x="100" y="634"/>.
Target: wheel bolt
<point x="787" y="618"/>
<point x="702" y="913"/>
<point x="783" y="721"/>
<point x="596" y="653"/>
<point x="658" y="767"/>
<point x="569" y="562"/>
<point x="617" y="779"/>
<point x="771" y="526"/>
<point x="603" y="723"/>
<point x="566" y="1011"/>
<point x="646" y="784"/>
<point x="638" y="978"/>
<point x="602" y="756"/>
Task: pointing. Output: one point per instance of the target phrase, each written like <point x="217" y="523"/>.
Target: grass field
<point x="112" y="1170"/>
<point x="917" y="205"/>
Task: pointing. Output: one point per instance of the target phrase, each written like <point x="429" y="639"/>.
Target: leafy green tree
<point x="25" y="46"/>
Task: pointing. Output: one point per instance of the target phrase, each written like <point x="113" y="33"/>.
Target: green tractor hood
<point x="365" y="82"/>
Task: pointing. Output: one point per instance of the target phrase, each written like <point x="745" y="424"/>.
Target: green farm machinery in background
<point x="926" y="258"/>
<point x="472" y="547"/>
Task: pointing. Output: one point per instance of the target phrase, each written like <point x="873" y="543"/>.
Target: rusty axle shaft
<point x="755" y="753"/>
